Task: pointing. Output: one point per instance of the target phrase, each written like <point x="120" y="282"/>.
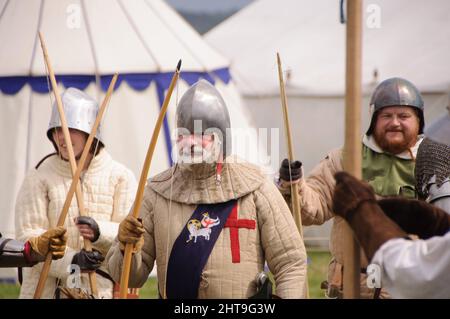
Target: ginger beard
<point x="196" y="149"/>
<point x="396" y="135"/>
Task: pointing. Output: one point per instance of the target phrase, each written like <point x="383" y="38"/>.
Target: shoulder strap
<point x="42" y="160"/>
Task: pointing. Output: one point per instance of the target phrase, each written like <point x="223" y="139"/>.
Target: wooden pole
<point x="295" y="196"/>
<point x="125" y="276"/>
<point x="74" y="187"/>
<point x="352" y="146"/>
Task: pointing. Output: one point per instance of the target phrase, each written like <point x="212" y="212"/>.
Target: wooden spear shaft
<point x="352" y="145"/>
<point x="125" y="276"/>
<point x="295" y="196"/>
<point x="75" y="187"/>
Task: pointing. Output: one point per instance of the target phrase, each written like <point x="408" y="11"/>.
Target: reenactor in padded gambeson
<point x="108" y="189"/>
<point x="408" y="267"/>
<point x="389" y="148"/>
<point x="211" y="221"/>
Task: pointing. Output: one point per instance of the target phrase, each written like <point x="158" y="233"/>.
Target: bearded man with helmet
<point x="212" y="220"/>
<point x="407" y="268"/>
<point x="389" y="148"/>
<point x="108" y="188"/>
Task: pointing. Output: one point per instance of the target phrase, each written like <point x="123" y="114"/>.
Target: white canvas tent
<point x="410" y="39"/>
<point x="87" y="42"/>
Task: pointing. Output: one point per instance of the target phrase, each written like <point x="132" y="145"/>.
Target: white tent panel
<point x="205" y="55"/>
<point x="158" y="30"/>
<point x="55" y="20"/>
<point x="15" y="22"/>
<point x="14" y="124"/>
<point x="115" y="39"/>
<point x="128" y="128"/>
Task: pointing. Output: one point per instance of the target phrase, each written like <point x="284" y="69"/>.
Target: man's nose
<point x="192" y="140"/>
<point x="395" y="120"/>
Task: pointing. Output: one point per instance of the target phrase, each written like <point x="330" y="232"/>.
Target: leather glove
<point x="296" y="170"/>
<point x="416" y="217"/>
<point x="349" y="193"/>
<point x="355" y="201"/>
<point x="88" y="260"/>
<point x="131" y="231"/>
<point x="88" y="227"/>
<point x="53" y="240"/>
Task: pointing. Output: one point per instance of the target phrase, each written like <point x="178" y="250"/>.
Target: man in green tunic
<point x="388" y="152"/>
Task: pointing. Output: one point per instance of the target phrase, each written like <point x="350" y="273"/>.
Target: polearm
<point x="126" y="267"/>
<point x="74" y="187"/>
<point x="295" y="196"/>
<point x="352" y="145"/>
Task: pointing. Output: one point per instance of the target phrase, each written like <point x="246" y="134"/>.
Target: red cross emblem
<point x="234" y="224"/>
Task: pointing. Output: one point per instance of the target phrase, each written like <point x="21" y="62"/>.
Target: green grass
<point x="149" y="290"/>
<point x="9" y="291"/>
<point x="317" y="271"/>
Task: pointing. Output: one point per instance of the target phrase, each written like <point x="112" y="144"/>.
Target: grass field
<point x="317" y="270"/>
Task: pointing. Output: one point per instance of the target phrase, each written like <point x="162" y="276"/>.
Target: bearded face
<point x="196" y="149"/>
<point x="396" y="128"/>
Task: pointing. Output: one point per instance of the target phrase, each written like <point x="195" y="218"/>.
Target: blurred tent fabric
<point x="87" y="42"/>
<point x="405" y="38"/>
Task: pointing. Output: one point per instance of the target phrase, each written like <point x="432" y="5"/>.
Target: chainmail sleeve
<point x="433" y="159"/>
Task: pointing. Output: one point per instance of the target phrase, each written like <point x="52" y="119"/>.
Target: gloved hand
<point x="416" y="217"/>
<point x="355" y="201"/>
<point x="88" y="260"/>
<point x="88" y="227"/>
<point x="53" y="240"/>
<point x="131" y="231"/>
<point x="349" y="193"/>
<point x="296" y="170"/>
